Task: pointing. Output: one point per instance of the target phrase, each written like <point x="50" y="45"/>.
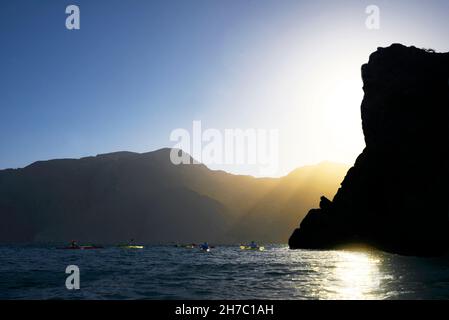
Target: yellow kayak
<point x="131" y="247"/>
<point x="252" y="248"/>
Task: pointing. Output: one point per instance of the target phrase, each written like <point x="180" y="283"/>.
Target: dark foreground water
<point x="164" y="272"/>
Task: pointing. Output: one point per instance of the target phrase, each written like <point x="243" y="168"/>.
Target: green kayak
<point x="252" y="248"/>
<point x="130" y="247"/>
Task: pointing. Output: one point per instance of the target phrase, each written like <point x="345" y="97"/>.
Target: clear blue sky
<point x="136" y="70"/>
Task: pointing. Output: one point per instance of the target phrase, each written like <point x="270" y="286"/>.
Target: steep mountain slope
<point x="117" y="196"/>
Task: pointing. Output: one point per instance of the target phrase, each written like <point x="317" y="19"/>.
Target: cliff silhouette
<point x="114" y="197"/>
<point x="395" y="197"/>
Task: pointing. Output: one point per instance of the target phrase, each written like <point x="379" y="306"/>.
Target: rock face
<point x="395" y="197"/>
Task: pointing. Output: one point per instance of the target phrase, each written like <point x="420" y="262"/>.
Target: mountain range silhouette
<point x="114" y="197"/>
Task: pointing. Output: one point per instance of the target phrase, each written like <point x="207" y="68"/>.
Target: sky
<point x="137" y="70"/>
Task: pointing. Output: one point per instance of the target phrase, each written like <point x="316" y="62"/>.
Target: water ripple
<point x="163" y="272"/>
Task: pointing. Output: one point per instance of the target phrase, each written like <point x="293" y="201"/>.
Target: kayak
<point x="81" y="248"/>
<point x="130" y="247"/>
<point x="205" y="250"/>
<point x="252" y="248"/>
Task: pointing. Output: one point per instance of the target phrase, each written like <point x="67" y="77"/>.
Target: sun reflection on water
<point x="336" y="275"/>
<point x="356" y="275"/>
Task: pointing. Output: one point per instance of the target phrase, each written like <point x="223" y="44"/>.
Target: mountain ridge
<point x="116" y="196"/>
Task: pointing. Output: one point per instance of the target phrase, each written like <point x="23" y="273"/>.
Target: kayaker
<point x="205" y="246"/>
<point x="74" y="244"/>
<point x="253" y="245"/>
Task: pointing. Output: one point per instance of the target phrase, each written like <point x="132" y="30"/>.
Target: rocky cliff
<point x="395" y="197"/>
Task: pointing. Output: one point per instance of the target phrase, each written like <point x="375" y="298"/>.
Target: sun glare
<point x="356" y="276"/>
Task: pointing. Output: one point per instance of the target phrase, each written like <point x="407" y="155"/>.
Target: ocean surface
<point x="167" y="272"/>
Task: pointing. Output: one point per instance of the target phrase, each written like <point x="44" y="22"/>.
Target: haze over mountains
<point x="114" y="197"/>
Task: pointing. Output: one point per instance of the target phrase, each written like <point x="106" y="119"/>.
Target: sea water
<point x="168" y="272"/>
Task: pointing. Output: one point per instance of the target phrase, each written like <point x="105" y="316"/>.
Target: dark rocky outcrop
<point x="395" y="197"/>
